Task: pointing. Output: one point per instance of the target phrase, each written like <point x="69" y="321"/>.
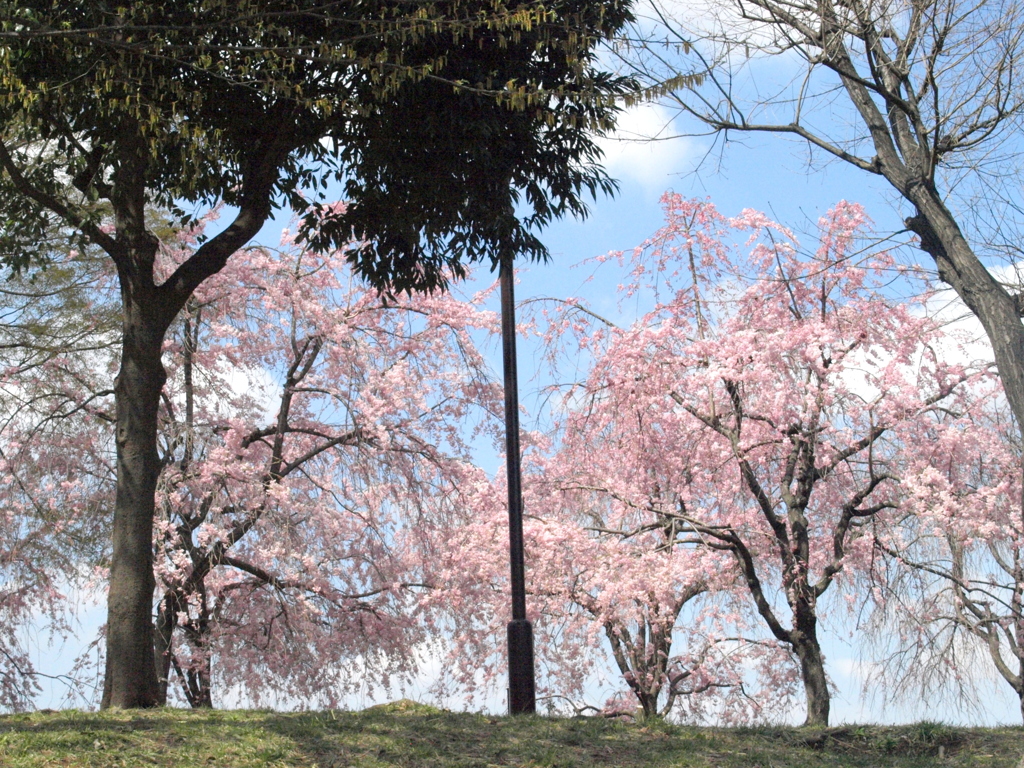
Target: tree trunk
<point x="131" y="679"/>
<point x="644" y="672"/>
<point x="199" y="685"/>
<point x="202" y="685"/>
<point x="812" y="670"/>
<point x="989" y="301"/>
<point x="648" y="704"/>
<point x="196" y="681"/>
<point x="812" y="664"/>
<point x="804" y="640"/>
<point x="166" y="621"/>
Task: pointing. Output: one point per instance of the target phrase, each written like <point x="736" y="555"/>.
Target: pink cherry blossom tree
<point x="307" y="429"/>
<point x="606" y="582"/>
<point x="761" y="408"/>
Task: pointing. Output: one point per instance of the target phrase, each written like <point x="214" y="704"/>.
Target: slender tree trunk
<point x="167" y="620"/>
<point x="205" y="698"/>
<point x="633" y="661"/>
<point x="131" y="669"/>
<point x="201" y="695"/>
<point x="131" y="679"/>
<point x="203" y="688"/>
<point x="198" y="680"/>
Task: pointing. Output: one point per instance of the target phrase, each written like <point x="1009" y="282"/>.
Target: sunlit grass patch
<point x="417" y="736"/>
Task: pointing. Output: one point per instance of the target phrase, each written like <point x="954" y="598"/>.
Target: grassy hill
<point x="415" y="736"/>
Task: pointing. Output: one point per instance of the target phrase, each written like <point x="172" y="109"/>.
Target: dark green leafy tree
<point x="457" y="127"/>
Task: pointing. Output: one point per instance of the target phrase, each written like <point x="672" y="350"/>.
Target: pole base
<point x="522" y="692"/>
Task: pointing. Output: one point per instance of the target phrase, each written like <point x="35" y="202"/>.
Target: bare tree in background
<point x="927" y="94"/>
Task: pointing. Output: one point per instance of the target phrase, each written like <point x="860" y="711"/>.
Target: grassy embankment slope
<point x="415" y="736"/>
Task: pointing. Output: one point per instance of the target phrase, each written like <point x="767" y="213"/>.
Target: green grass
<point x="416" y="736"/>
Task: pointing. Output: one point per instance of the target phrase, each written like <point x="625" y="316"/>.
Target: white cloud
<point x="646" y="148"/>
<point x="701" y="18"/>
<point x="965" y="342"/>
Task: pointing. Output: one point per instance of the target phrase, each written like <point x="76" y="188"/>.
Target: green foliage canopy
<point x="439" y="117"/>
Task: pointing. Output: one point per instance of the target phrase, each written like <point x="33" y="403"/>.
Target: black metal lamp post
<point x="522" y="696"/>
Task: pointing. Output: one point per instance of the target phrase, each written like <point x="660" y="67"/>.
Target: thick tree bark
<point x="990" y="302"/>
<point x="130" y="679"/>
<point x="812" y="671"/>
